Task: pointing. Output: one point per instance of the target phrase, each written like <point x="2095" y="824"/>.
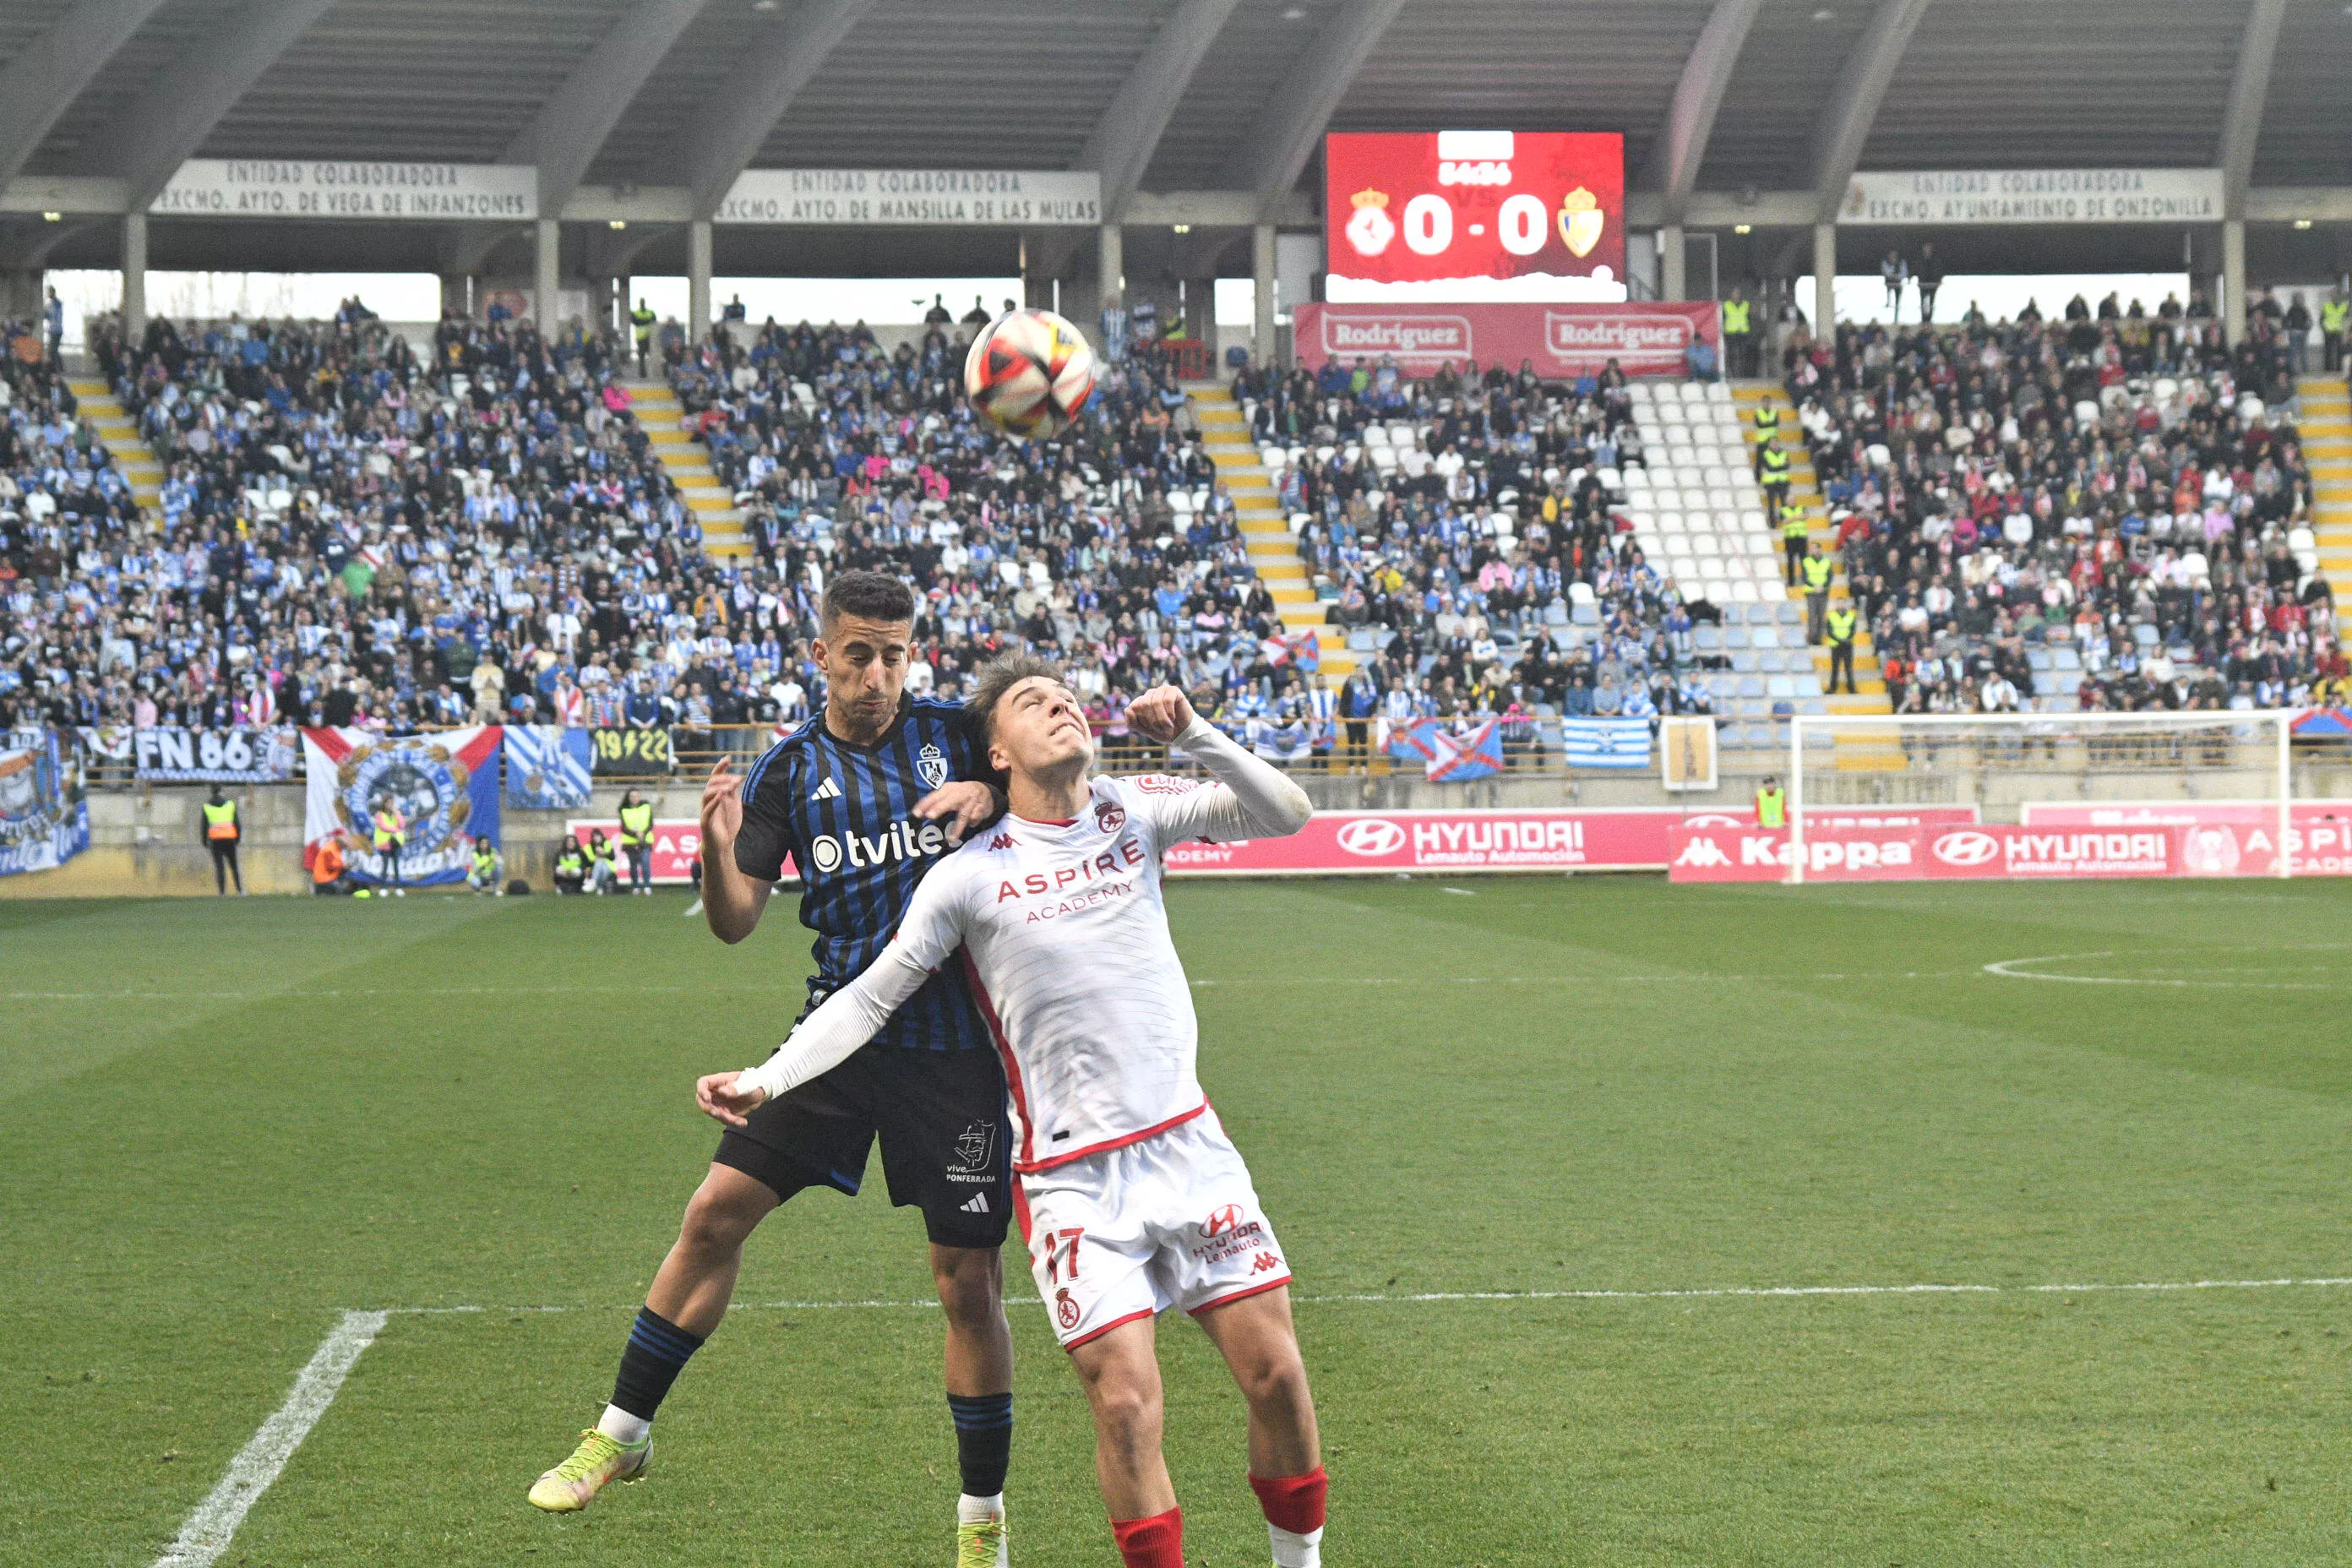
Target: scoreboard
<point x="1438" y="206"/>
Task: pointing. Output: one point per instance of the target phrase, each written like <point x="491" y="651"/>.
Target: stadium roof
<point x="1749" y="110"/>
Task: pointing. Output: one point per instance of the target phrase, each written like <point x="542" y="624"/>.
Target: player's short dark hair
<point x="997" y="676"/>
<point x="869" y="595"/>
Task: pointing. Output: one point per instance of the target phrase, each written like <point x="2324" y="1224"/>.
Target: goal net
<point x="2096" y="795"/>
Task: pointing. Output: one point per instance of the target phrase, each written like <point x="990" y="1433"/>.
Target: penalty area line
<point x="212" y="1524"/>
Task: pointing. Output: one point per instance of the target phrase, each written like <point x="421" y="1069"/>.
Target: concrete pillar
<point x="2234" y="279"/>
<point x="1112" y="263"/>
<point x="1672" y="283"/>
<point x="547" y="270"/>
<point x="134" y="277"/>
<point x="698" y="279"/>
<point x="456" y="294"/>
<point x="1824" y="278"/>
<point x="1261" y="343"/>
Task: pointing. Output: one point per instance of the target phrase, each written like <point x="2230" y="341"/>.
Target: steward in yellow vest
<point x="222" y="830"/>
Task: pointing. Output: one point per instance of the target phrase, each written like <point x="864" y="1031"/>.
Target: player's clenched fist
<point x="717" y="1094"/>
<point x="1161" y="714"/>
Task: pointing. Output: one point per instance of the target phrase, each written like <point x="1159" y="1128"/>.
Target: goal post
<point x="2004" y="766"/>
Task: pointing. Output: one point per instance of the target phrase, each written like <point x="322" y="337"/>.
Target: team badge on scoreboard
<point x="1582" y="221"/>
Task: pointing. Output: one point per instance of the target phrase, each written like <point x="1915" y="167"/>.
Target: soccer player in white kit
<point x="1133" y="1198"/>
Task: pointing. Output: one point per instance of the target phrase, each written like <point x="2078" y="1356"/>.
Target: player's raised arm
<point x="1257" y="800"/>
<point x="855" y="1014"/>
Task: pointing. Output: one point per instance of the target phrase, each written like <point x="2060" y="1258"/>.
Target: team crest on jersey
<point x="931" y="766"/>
<point x="1109" y="815"/>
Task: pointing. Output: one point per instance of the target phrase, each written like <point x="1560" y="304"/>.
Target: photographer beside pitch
<point x="855" y="798"/>
<point x="1133" y="1198"/>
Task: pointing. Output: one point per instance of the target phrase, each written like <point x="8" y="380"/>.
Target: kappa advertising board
<point x="1362" y="843"/>
<point x="1474" y="206"/>
<point x="1559" y="340"/>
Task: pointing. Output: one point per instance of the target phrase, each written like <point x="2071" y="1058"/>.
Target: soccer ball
<point x="1031" y="373"/>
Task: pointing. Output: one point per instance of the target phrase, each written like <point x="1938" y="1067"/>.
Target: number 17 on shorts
<point x="1172" y="1221"/>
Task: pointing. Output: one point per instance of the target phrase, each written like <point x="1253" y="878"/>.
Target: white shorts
<point x="1172" y="1221"/>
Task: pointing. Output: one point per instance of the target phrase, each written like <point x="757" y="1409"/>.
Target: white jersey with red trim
<point x="1066" y="938"/>
<point x="1062" y="931"/>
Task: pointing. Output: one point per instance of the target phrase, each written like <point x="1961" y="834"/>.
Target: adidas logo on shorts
<point x="979" y="1204"/>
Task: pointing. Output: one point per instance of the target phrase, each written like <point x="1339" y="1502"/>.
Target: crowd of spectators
<point x="356" y="530"/>
<point x="2107" y="510"/>
<point x="1467" y="529"/>
<point x="2110" y="511"/>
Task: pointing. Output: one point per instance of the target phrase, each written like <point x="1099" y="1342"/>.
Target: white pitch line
<point x="2008" y="969"/>
<point x="1722" y="1292"/>
<point x="209" y="1528"/>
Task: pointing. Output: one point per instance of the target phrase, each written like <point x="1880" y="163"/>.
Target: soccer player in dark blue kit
<point x="862" y="798"/>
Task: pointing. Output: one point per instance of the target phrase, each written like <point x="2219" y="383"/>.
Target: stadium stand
<point x="2110" y="510"/>
<point x="354" y="527"/>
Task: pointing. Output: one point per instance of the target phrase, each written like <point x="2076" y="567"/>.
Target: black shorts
<point x="940" y="1118"/>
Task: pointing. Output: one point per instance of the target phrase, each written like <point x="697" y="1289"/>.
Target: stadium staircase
<point x="689" y="464"/>
<point x="1273" y="550"/>
<point x="2326" y="427"/>
<point x="120" y="436"/>
<point x="1860" y="752"/>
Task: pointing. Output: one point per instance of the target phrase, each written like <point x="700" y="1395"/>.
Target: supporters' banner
<point x="167" y="755"/>
<point x="677" y="842"/>
<point x="1342" y="843"/>
<point x="1650" y="338"/>
<point x="955" y="199"/>
<point x="109" y="742"/>
<point x="2224" y="837"/>
<point x="630" y="753"/>
<point x="1293" y="743"/>
<point x="445" y="786"/>
<point x="2085" y="196"/>
<point x="43" y="808"/>
<point x="1471" y="208"/>
<point x="329" y="187"/>
<point x="1448" y="757"/>
<point x="1606" y="743"/>
<point x="547" y="767"/>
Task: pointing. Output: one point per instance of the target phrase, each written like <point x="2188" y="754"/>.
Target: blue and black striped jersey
<point x="845" y="814"/>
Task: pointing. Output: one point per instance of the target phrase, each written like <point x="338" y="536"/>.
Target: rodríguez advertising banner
<point x="1362" y="843"/>
<point x="1473" y="207"/>
<point x="1560" y="340"/>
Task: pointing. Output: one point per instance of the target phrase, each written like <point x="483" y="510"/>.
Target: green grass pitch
<point x="222" y="1123"/>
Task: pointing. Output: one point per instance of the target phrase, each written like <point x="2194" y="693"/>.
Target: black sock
<point x="656" y="1354"/>
<point x="984" y="1424"/>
